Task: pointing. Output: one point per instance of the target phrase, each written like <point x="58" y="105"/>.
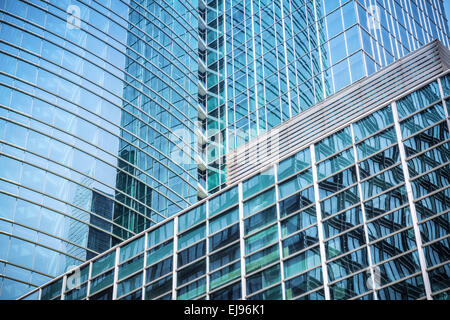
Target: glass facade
<point x="359" y="214"/>
<point x="98" y="104"/>
<point x="263" y="61"/>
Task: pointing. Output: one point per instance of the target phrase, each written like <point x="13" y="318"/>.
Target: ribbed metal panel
<point x="335" y="112"/>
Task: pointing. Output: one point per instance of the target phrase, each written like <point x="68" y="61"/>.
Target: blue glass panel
<point x="293" y="164"/>
<point x="263" y="279"/>
<point x="258" y="183"/>
<point x="192" y="217"/>
<point x="160" y="234"/>
<point x="223" y="201"/>
<point x="260" y="201"/>
<point x="418" y="99"/>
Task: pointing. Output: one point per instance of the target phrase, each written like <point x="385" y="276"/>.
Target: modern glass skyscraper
<point x="93" y="97"/>
<point x="118" y="114"/>
<point x="265" y="61"/>
<point x="360" y="212"/>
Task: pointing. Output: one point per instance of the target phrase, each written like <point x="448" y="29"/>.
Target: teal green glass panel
<point x="300" y="181"/>
<point x="129" y="284"/>
<point x="298" y="221"/>
<point x="393" y="245"/>
<point x="434" y="204"/>
<point x="297" y="202"/>
<point x="347" y="265"/>
<point x="158" y="288"/>
<point x="335" y="163"/>
<point x="376" y="143"/>
<point x="223" y="201"/>
<point x="260" y="220"/>
<point x="409" y="289"/>
<point x="102" y="281"/>
<point x="316" y="295"/>
<point x="52" y="290"/>
<point x="429" y="160"/>
<point x="399" y="268"/>
<point x="225" y="275"/>
<point x="192" y="217"/>
<point x="192" y="290"/>
<point x="258" y="183"/>
<point x="344" y="243"/>
<point x="160" y="234"/>
<point x="273" y="293"/>
<point x="302" y="262"/>
<point x="294" y="164"/>
<point x="303" y="283"/>
<point x="333" y="144"/>
<point x="299" y="241"/>
<point x="418" y="100"/>
<point x="439" y="278"/>
<point x="447" y="102"/>
<point x="84" y="273"/>
<point x="131" y="249"/>
<point x="445" y="295"/>
<point x="76" y="294"/>
<point x="131" y="266"/>
<point x="259" y="202"/>
<point x="191" y="236"/>
<point x="104" y="263"/>
<point x="422" y="120"/>
<point x="381" y="182"/>
<point x="263" y="279"/>
<point x="445" y="82"/>
<point x="262" y="258"/>
<point x="159" y="252"/>
<point x="350" y="287"/>
<point x="224" y="256"/>
<point x="223" y="220"/>
<point x="261" y="239"/>
<point x="373" y="123"/>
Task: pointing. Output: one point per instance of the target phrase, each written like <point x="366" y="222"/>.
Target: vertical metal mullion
<point x="423" y="265"/>
<point x="363" y="213"/>
<point x="175" y="256"/>
<point x="63" y="286"/>
<point x="444" y="103"/>
<point x="255" y="80"/>
<point x="256" y="76"/>
<point x="280" y="246"/>
<point x="88" y="289"/>
<point x="244" y="45"/>
<point x="241" y="240"/>
<point x="319" y="47"/>
<point x="319" y="223"/>
<point x="225" y="81"/>
<point x="207" y="247"/>
<point x="360" y="38"/>
<point x="283" y="26"/>
<point x="144" y="270"/>
<point x="294" y="63"/>
<point x="116" y="273"/>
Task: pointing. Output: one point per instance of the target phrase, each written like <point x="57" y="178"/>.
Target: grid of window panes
<point x="391" y="29"/>
<point x="425" y="135"/>
<point x="283" y="57"/>
<point x="333" y="221"/>
<point x="212" y="90"/>
<point x="90" y="119"/>
<point x="269" y="60"/>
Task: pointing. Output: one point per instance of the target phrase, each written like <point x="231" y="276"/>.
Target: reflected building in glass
<point x="352" y="203"/>
<point x="98" y="104"/>
<point x="116" y="115"/>
<point x="262" y="62"/>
